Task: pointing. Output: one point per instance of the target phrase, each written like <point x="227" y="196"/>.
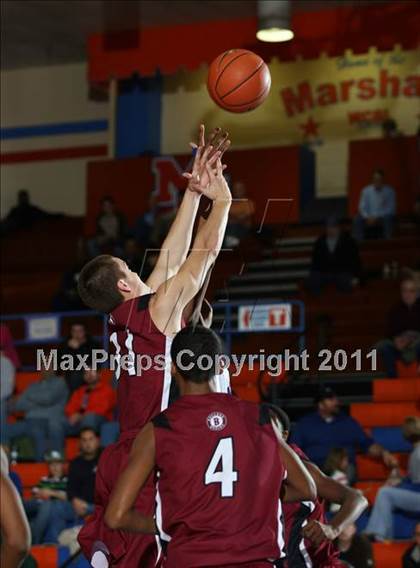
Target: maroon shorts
<point x="125" y="550"/>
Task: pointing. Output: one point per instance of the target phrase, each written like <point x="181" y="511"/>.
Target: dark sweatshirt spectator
<point x="326" y="428"/>
<point x="23" y="215"/>
<point x="335" y="260"/>
<point x="403" y="336"/>
<point x="80" y="486"/>
<point x="111" y="228"/>
<point x="90" y="405"/>
<point x="43" y="405"/>
<point x="79" y="342"/>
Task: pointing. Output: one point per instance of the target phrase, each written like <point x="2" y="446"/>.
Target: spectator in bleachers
<point x="7" y="386"/>
<point x="336" y="466"/>
<point x="67" y="297"/>
<point x="46" y="493"/>
<point x="42" y="404"/>
<point x="411" y="558"/>
<point x="317" y="433"/>
<point x="335" y="260"/>
<point x="144" y="224"/>
<point x="80" y="486"/>
<point x="377" y="209"/>
<point x="355" y="549"/>
<point x="240" y="215"/>
<point x="132" y="255"/>
<point x="23" y="215"/>
<point x="7" y="346"/>
<point x="403" y="337"/>
<point x="404" y="497"/>
<point x="79" y="342"/>
<point x="111" y="229"/>
<point x="91" y="405"/>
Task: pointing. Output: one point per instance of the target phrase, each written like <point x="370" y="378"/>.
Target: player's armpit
<point x="120" y="513"/>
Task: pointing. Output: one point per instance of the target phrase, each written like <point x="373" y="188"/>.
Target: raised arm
<point x="171" y="298"/>
<point x="178" y="241"/>
<point x="120" y="513"/>
<point x="352" y="502"/>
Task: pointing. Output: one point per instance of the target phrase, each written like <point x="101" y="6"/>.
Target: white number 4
<point x="225" y="475"/>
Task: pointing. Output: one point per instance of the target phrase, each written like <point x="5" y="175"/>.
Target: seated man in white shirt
<point x="377" y="209"/>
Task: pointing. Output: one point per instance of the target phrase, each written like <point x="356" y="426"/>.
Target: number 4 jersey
<point x="219" y="481"/>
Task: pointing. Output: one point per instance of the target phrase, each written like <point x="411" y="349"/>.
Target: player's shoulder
<point x="299" y="452"/>
<point x="126" y="313"/>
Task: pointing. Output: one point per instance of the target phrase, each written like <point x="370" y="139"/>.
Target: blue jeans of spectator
<point x="317" y="280"/>
<point x="39" y="515"/>
<point x="62" y="516"/>
<point x="109" y="433"/>
<point x="89" y="420"/>
<point x="390" y="355"/>
<point x="388" y="499"/>
<point x="46" y="434"/>
<point x="384" y="226"/>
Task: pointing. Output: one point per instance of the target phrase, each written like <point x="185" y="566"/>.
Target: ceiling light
<point x="274" y="21"/>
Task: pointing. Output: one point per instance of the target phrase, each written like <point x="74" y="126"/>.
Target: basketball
<point x="238" y="80"/>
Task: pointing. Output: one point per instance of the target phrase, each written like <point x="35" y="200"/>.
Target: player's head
<point x="106" y="281"/>
<point x="194" y="354"/>
<point x="281" y="418"/>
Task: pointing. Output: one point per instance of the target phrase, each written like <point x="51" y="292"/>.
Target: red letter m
<point x="297" y="102"/>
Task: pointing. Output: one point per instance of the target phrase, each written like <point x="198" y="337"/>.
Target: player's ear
<point x="123" y="285"/>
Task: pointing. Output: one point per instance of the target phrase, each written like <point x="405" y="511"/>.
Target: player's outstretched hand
<point x="217" y="189"/>
<point x="207" y="153"/>
<point x="318" y="532"/>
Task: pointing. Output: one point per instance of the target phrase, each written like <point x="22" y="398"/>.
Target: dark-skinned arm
<point x="120" y="513"/>
<point x="298" y="485"/>
<point x="352" y="502"/>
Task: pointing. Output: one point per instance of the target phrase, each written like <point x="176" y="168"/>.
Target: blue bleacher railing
<point x="225" y="322"/>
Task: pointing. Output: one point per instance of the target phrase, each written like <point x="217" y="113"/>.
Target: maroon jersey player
<point x="220" y="466"/>
<point x="308" y="535"/>
<point x="143" y="318"/>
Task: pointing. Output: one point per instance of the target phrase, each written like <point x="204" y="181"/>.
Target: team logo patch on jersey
<point x="216" y="421"/>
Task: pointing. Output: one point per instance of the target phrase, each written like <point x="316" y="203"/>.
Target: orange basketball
<point x="238" y="80"/>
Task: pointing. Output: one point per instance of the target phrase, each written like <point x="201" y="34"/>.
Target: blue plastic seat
<point x="391" y="438"/>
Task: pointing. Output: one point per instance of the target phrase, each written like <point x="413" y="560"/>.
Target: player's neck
<point x="196" y="389"/>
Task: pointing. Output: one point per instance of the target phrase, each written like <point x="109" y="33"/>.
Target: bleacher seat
<point x="45" y="555"/>
<point x="407" y="371"/>
<point x="72" y="448"/>
<point x="389" y="554"/>
<point x="374" y="469"/>
<point x="24" y="379"/>
<point x="382" y="413"/>
<point x="245" y="385"/>
<point x="404" y="524"/>
<point x="391" y="438"/>
<point x="399" y="390"/>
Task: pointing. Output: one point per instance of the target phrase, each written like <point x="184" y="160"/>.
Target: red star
<point x="310" y="127"/>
